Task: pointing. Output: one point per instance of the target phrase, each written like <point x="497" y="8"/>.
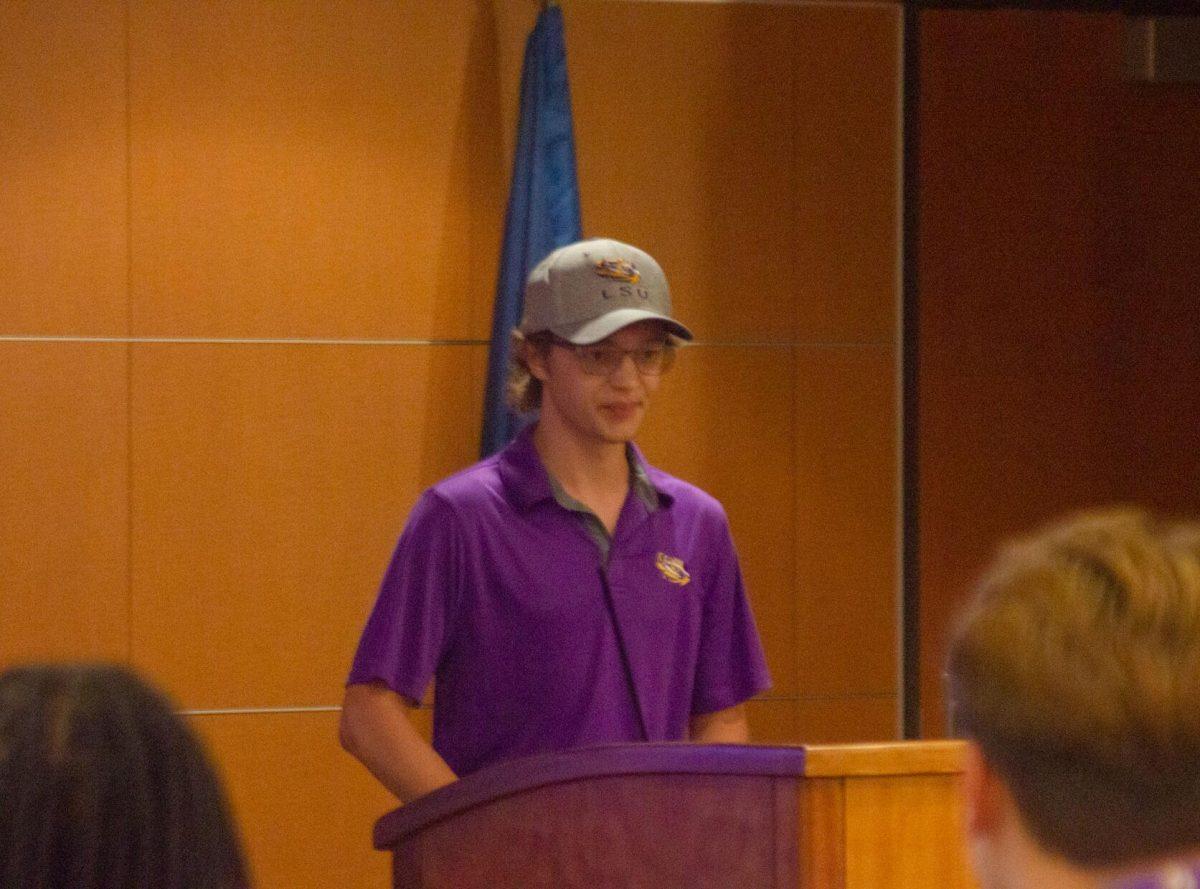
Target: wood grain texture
<point x="610" y="832"/>
<point x="65" y="542"/>
<point x="911" y="758"/>
<point x="269" y="486"/>
<point x="304" y="807"/>
<point x="821" y="815"/>
<point x="846" y="119"/>
<point x="332" y="172"/>
<point x="772" y="720"/>
<point x="873" y="816"/>
<point x="1014" y="426"/>
<point x="905" y="833"/>
<point x="1150" y="197"/>
<point x="847" y="502"/>
<point x="786" y="819"/>
<point x="63" y="221"/>
<point x="1059" y="211"/>
<point x="701" y="173"/>
<point x="846" y="718"/>
<point x="351" y="181"/>
<point x="774" y="211"/>
<point x="723" y="420"/>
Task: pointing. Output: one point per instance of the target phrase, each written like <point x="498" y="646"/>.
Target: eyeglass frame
<point x="664" y="349"/>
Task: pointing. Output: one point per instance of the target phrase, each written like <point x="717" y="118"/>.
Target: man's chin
<point x="622" y="434"/>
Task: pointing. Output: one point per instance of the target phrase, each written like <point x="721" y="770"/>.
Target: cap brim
<point x="606" y="325"/>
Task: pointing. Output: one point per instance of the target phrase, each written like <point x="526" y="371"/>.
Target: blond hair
<point x="523" y="391"/>
<point x="1076" y="668"/>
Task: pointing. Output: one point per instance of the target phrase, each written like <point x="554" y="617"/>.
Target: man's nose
<point x="625" y="373"/>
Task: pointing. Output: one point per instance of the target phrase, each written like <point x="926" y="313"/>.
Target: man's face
<point x="596" y="404"/>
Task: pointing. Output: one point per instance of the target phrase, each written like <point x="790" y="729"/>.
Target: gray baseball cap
<point x="587" y="290"/>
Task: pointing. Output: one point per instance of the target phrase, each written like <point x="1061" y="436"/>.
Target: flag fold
<point x="543" y="205"/>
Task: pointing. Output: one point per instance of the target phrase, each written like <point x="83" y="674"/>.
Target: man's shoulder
<point x="477" y="483"/>
<point x="685" y="495"/>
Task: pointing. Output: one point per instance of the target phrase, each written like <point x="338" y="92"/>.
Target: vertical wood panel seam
<point x="898" y="375"/>
<point x="129" y="525"/>
<point x="785" y="819"/>
<point x="910" y="479"/>
<point x="844" y="828"/>
<point x="793" y="161"/>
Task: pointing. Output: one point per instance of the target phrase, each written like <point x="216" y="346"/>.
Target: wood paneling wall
<point x="247" y="253"/>
<point x="1059" y="222"/>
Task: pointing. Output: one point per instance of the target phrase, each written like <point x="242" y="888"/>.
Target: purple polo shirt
<point x="1176" y="875"/>
<point x="498" y="592"/>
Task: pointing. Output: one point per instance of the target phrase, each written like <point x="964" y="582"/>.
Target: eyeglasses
<point x="651" y="360"/>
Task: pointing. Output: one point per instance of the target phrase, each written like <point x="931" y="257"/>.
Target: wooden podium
<point x="685" y="816"/>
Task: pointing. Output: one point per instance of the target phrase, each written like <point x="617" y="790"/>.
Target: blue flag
<point x="543" y="205"/>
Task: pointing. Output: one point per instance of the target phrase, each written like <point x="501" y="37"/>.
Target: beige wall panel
<point x="304" y="807"/>
<point x="64" y="544"/>
<point x="846" y="504"/>
<point x="314" y="170"/>
<point x="772" y="721"/>
<point x="683" y="125"/>
<point x="723" y="420"/>
<point x="846" y="719"/>
<point x="514" y="19"/>
<point x="63" y="231"/>
<point x="269" y="486"/>
<point x="847" y="133"/>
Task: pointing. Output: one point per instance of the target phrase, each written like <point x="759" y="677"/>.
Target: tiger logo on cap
<point x="618" y="270"/>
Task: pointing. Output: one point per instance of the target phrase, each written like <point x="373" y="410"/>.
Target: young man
<point x="562" y="592"/>
<point x="1075" y="674"/>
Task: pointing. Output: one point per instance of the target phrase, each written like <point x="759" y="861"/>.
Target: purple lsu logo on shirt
<point x="672" y="569"/>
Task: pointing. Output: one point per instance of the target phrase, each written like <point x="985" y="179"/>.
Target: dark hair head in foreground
<point x="103" y="785"/>
<point x="1076" y="670"/>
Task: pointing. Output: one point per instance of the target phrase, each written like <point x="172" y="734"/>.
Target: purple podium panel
<point x="644" y="815"/>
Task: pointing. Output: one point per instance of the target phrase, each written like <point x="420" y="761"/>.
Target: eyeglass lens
<point x="650" y="360"/>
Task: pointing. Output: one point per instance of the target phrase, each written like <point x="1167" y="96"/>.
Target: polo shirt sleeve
<point x="412" y="620"/>
<point x="731" y="667"/>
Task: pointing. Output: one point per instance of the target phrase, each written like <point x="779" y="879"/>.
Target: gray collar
<point x="639" y="479"/>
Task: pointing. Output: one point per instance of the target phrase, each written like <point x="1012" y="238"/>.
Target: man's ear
<point x="983" y="793"/>
<point x="537" y="361"/>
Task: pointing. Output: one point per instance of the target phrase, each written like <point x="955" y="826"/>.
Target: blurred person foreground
<point x="103" y="786"/>
<point x="1075" y="675"/>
